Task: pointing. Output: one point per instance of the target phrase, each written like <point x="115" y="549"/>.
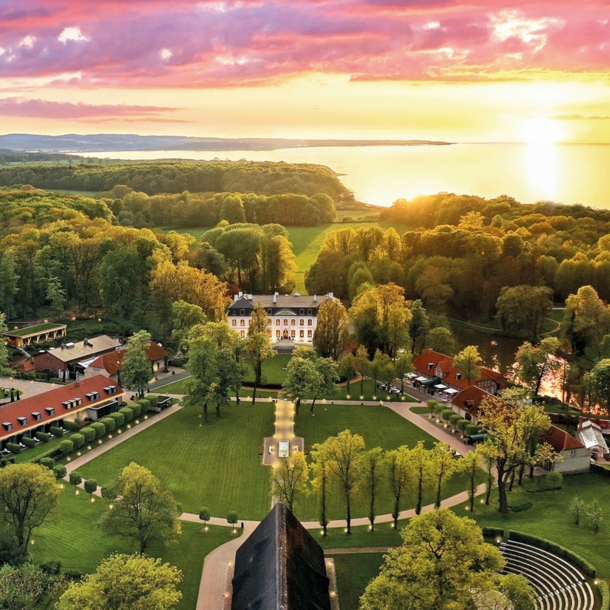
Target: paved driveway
<point x="29" y="388"/>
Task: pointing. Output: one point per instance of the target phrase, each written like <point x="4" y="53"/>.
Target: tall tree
<point x="258" y="344"/>
<point x="5" y="368"/>
<point x="56" y="296"/>
<point x="441" y="564"/>
<point x="321" y="480"/>
<point x="229" y="374"/>
<point x="202" y="367"/>
<point x="600" y="378"/>
<point x="534" y="364"/>
<point x="420" y="464"/>
<point x="347" y="369"/>
<point x="510" y="429"/>
<point x="441" y="340"/>
<point x="332" y="333"/>
<point x="420" y="325"/>
<point x="443" y="467"/>
<point x="302" y="377"/>
<point x="136" y="371"/>
<point x="142" y="510"/>
<point x="8" y="283"/>
<point x="28" y="494"/>
<point x="399" y="470"/>
<point x="22" y="587"/>
<point x="524" y="309"/>
<point x="325" y="385"/>
<point x="362" y="365"/>
<point x="345" y="456"/>
<point x="185" y="316"/>
<point x="124" y="582"/>
<point x="470" y="466"/>
<point x="403" y="365"/>
<point x="468" y="362"/>
<point x="373" y="472"/>
<point x="289" y="479"/>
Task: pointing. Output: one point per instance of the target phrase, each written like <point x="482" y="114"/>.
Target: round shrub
<point x="472" y="429"/>
<point x="66" y="446"/>
<point x="75" y="479"/>
<point x="13" y="448"/>
<point x="43" y="436"/>
<point x="89" y="433"/>
<point x="90" y="486"/>
<point x="232" y="517"/>
<point x="127" y="413"/>
<point x="454" y="419"/>
<point x="108" y="493"/>
<point x="78" y="440"/>
<point x="55" y="431"/>
<point x="446" y="414"/>
<point x="553" y="480"/>
<point x="48" y="462"/>
<point x="109" y="424"/>
<point x="28" y="442"/>
<point x="99" y="428"/>
<point x="205" y="515"/>
<point x="3" y="462"/>
<point x="72" y="426"/>
<point x="119" y="419"/>
<point x="60" y="471"/>
<point x="136" y="409"/>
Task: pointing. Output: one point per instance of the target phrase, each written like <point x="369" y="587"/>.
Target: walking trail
<point x="215" y="586"/>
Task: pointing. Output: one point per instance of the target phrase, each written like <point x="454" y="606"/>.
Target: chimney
<point x="235" y="297"/>
<point x="331" y="295"/>
<point x="241" y="294"/>
<point x="275" y="298"/>
<point x="315" y="298"/>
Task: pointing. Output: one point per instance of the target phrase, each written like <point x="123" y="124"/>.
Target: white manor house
<point x="291" y="317"/>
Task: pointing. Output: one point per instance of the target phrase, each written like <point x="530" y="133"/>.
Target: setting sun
<point x="541" y="131"/>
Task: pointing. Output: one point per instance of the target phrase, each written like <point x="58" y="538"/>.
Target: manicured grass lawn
<point x="72" y="538"/>
<point x="215" y="465"/>
<point x="371" y="392"/>
<point x="177" y="387"/>
<point x="550" y="517"/>
<point x="380" y="427"/>
<point x="354" y="572"/>
<point x="273" y="370"/>
<point x="361" y="536"/>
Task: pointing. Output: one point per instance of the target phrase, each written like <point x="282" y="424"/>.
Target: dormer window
<point x="458" y="375"/>
<point x="309" y="312"/>
<point x="8" y="426"/>
<point x="92" y="395"/>
<point x="110" y="389"/>
<point x="50" y="411"/>
<point x="23" y="421"/>
<point x="430" y="365"/>
<point x="301" y="311"/>
<point x="36" y="415"/>
<point x="242" y="312"/>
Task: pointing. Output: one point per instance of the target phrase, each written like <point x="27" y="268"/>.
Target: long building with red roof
<point x="91" y="398"/>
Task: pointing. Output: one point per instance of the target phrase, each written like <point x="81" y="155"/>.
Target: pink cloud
<point x="35" y="108"/>
<point x="215" y="43"/>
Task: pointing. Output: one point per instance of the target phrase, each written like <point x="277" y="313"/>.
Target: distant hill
<point x="100" y="142"/>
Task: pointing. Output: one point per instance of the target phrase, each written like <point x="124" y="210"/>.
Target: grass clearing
<point x="72" y="538"/>
<point x="215" y="465"/>
<point x="354" y="572"/>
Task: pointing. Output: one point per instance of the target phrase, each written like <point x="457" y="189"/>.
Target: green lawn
<point x="273" y="370"/>
<point x="380" y="427"/>
<point x="371" y="392"/>
<point x="550" y="517"/>
<point x="72" y="538"/>
<point x="215" y="465"/>
<point x="354" y="572"/>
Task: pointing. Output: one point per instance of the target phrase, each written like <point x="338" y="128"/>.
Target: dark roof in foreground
<point x="280" y="567"/>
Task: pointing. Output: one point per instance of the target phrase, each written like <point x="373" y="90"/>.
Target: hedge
<point x="52" y="453"/>
<point x="89" y="433"/>
<point x="109" y="423"/>
<point x="454" y="419"/>
<point x="55" y="431"/>
<point x="493" y="532"/>
<point x="48" y="462"/>
<point x="118" y="418"/>
<point x="446" y="414"/>
<point x="13" y="448"/>
<point x="136" y="408"/>
<point x="60" y="471"/>
<point x="28" y="442"/>
<point x="127" y="413"/>
<point x="43" y="436"/>
<point x="557" y="549"/>
<point x="99" y="428"/>
<point x="71" y="426"/>
<point x="605" y="594"/>
<point x="519" y="508"/>
<point x="151" y="400"/>
<point x="472" y="429"/>
<point x="78" y="440"/>
<point x="66" y="447"/>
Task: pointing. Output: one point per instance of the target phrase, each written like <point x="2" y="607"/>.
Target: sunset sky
<point x="533" y="70"/>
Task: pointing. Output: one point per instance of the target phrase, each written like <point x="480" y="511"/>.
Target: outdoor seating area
<point x="558" y="584"/>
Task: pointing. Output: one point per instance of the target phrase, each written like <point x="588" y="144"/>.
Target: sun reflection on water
<point x="542" y="168"/>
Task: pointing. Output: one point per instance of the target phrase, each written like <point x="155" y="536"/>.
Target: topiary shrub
<point x="74" y="478"/>
<point x="89" y="433"/>
<point x="493" y="532"/>
<point x="28" y="442"/>
<point x="43" y="436"/>
<point x="90" y="487"/>
<point x="119" y="419"/>
<point x="3" y="462"/>
<point x="66" y="446"/>
<point x="446" y="414"/>
<point x="472" y="429"/>
<point x="13" y="448"/>
<point x="109" y="424"/>
<point x="99" y="428"/>
<point x="136" y="408"/>
<point x="60" y="471"/>
<point x="48" y="462"/>
<point x="553" y="480"/>
<point x="462" y="425"/>
<point x="71" y="426"/>
<point x="127" y="414"/>
<point x="205" y="515"/>
<point x="78" y="440"/>
<point x="55" y="431"/>
<point x="232" y="517"/>
<point x="454" y="419"/>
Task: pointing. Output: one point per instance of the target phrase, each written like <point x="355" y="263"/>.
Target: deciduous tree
<point x="331" y="334"/>
<point x="534" y="364"/>
<point x="373" y="470"/>
<point x="443" y="467"/>
<point x="420" y="464"/>
<point x="136" y="371"/>
<point x="524" y="308"/>
<point x="470" y="465"/>
<point x="289" y="479"/>
<point x="321" y="480"/>
<point x="468" y="362"/>
<point x="399" y="471"/>
<point x="302" y="377"/>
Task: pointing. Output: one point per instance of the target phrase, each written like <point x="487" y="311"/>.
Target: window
<point x="301" y="311"/>
<point x="309" y="312"/>
<point x="50" y="411"/>
<point x="8" y="426"/>
<point x="309" y="334"/>
<point x="277" y="323"/>
<point x="269" y="332"/>
<point x="573" y="453"/>
<point x="269" y="311"/>
<point x="277" y="332"/>
<point x="36" y="415"/>
<point x="242" y="322"/>
<point x="309" y="322"/>
<point x="292" y="333"/>
<point x="242" y="312"/>
<point x="234" y="322"/>
<point x="302" y="322"/>
<point x="302" y="334"/>
<point x="293" y="322"/>
<point x="268" y="321"/>
<point x="23" y="421"/>
<point x="285" y="322"/>
<point x="243" y="333"/>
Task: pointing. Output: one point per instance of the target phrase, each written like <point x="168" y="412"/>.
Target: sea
<point x="564" y="173"/>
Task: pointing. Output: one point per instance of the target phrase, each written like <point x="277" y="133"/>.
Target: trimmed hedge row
<point x="14" y="448"/>
<point x="546" y="545"/>
<point x="605" y="593"/>
<point x="5" y="461"/>
<point x="28" y="442"/>
<point x="493" y="532"/>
